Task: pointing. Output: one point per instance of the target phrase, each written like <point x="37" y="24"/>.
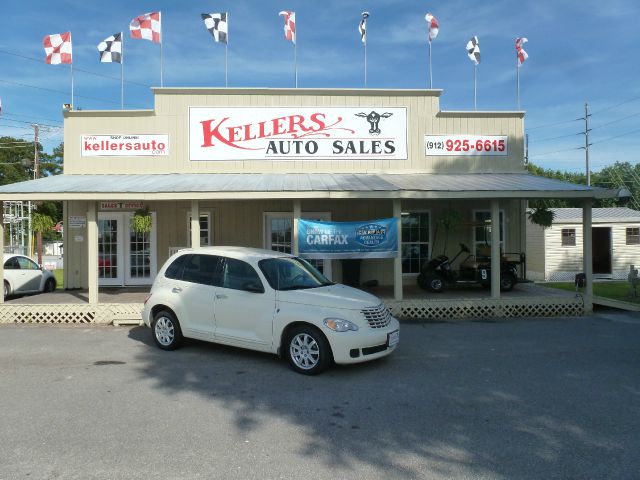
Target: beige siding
<point x="535" y="252"/>
<point x="171" y="117"/>
<point x="243" y="223"/>
<point x="562" y="263"/>
<point x="623" y="255"/>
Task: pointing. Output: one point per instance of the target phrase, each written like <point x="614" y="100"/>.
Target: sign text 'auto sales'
<point x="293" y="133"/>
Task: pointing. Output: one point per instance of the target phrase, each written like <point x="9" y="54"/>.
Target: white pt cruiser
<point x="267" y="301"/>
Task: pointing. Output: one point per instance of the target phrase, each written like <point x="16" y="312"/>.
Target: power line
<point x="556" y="138"/>
<point x="616" y="105"/>
<point x="30" y="123"/>
<point x="616" y="121"/>
<point x="548" y="125"/>
<point x="38" y="60"/>
<point x="617" y="136"/>
<point x="557" y="151"/>
<point x="5" y="114"/>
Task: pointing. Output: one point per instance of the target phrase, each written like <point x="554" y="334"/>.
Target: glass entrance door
<point x="124" y="256"/>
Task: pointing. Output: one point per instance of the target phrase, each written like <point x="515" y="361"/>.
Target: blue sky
<point x="580" y="51"/>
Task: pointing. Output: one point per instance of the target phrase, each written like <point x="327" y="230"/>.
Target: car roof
<point x="240" y="253"/>
<point x="7" y="256"/>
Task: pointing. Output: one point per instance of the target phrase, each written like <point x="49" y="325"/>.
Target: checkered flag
<point x="147" y="27"/>
<point x="111" y="49"/>
<point x="362" y="27"/>
<point x="57" y="48"/>
<point x="473" y="50"/>
<point x="217" y="25"/>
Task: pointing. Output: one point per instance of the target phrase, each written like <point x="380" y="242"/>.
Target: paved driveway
<point x="519" y="399"/>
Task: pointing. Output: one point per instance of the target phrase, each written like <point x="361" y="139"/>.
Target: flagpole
<point x="161" y="42"/>
<point x="72" y="103"/>
<point x="121" y="70"/>
<point x="365" y="61"/>
<point x="475" y="87"/>
<point x="295" y="60"/>
<point x="226" y="55"/>
<point x="430" y="73"/>
<point x="517" y="81"/>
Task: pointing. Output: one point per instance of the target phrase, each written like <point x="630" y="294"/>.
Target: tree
<point x="40" y="224"/>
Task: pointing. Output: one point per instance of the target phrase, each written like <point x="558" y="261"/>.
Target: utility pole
<point x="36" y="175"/>
<point x="586" y="141"/>
<point x="526" y="149"/>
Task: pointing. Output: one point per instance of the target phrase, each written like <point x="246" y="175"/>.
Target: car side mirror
<point x="252" y="287"/>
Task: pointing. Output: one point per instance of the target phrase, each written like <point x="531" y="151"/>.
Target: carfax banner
<point x="297" y="133"/>
<point x="370" y="239"/>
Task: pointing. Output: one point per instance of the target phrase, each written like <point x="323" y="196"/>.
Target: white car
<point x="267" y="301"/>
<point x="22" y="275"/>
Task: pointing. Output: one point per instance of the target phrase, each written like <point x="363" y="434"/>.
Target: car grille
<point x="377" y="317"/>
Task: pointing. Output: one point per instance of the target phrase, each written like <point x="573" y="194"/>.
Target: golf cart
<point x="436" y="273"/>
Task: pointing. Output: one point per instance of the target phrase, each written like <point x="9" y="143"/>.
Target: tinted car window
<point x="174" y="271"/>
<point x="12" y="264"/>
<point x="26" y="264"/>
<point x="201" y="269"/>
<point x="239" y="275"/>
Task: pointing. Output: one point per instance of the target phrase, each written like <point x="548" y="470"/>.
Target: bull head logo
<point x="374" y="120"/>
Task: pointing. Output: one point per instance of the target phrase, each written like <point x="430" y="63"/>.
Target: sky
<point x="580" y="51"/>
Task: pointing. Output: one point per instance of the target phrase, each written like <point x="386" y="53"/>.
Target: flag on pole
<point x="433" y="26"/>
<point x="147" y="27"/>
<point x="111" y="49"/>
<point x="216" y="23"/>
<point x="473" y="50"/>
<point x="289" y="25"/>
<point x="363" y="27"/>
<point x="57" y="48"/>
<point x="522" y="55"/>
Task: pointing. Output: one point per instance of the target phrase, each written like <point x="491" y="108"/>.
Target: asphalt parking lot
<point x="533" y="398"/>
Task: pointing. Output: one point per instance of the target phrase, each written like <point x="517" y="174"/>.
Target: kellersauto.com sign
<point x="294" y="133"/>
<point x="124" y="145"/>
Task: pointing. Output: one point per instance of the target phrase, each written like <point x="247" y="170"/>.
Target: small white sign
<point x="124" y="145"/>
<point x="121" y="205"/>
<point x="78" y="238"/>
<point x="466" y="145"/>
<point x="298" y="133"/>
<point x="76" y="221"/>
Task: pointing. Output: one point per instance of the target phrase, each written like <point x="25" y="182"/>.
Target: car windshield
<point x="291" y="273"/>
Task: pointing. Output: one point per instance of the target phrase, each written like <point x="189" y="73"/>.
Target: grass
<point x="59" y="274"/>
<point x="613" y="290"/>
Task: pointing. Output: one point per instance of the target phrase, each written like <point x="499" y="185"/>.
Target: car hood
<point x="334" y="296"/>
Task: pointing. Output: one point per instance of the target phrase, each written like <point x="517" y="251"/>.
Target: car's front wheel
<point x="166" y="330"/>
<point x="307" y="350"/>
<point x="49" y="285"/>
<point x="6" y="290"/>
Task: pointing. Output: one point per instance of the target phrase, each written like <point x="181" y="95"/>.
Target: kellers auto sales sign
<point x="294" y="133"/>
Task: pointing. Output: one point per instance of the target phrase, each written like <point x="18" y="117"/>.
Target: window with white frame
<point x="205" y="229"/>
<point x="415" y="241"/>
<point x="482" y="232"/>
<point x="568" y="237"/>
<point x="633" y="236"/>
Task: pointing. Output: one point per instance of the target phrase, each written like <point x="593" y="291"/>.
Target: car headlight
<point x="340" y="325"/>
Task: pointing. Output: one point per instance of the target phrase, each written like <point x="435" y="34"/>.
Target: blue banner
<point x="370" y="239"/>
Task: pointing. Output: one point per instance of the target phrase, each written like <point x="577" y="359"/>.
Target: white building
<point x="555" y="253"/>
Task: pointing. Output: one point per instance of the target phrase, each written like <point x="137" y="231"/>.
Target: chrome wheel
<point x="304" y="351"/>
<point x="165" y="331"/>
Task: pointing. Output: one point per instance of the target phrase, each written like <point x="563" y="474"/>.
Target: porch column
<point x="195" y="224"/>
<point x="587" y="254"/>
<point x="297" y="213"/>
<point x="2" y="263"/>
<point x="495" y="248"/>
<point x="92" y="249"/>
<point x="397" y="262"/>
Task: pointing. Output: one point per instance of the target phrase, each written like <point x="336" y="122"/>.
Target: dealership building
<point x="243" y="166"/>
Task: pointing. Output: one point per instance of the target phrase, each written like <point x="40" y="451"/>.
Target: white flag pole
<point x="475" y="86"/>
<point x="72" y="102"/>
<point x="365" y="58"/>
<point x="121" y="70"/>
<point x="226" y="54"/>
<point x="430" y="73"/>
<point x="295" y="58"/>
<point x="161" y="42"/>
<point x="518" y="80"/>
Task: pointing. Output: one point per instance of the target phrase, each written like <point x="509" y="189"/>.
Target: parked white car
<point x="267" y="301"/>
<point x="22" y="275"/>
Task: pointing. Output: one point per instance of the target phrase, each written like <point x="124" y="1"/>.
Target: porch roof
<point x="183" y="186"/>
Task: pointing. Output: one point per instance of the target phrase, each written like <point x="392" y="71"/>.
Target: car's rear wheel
<point x="7" y="290"/>
<point x="307" y="350"/>
<point x="507" y="282"/>
<point x="166" y="330"/>
<point x="49" y="285"/>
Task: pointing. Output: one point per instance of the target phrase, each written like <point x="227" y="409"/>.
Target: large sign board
<point x="124" y="145"/>
<point x="297" y="133"/>
<point x="369" y="239"/>
<point x="466" y="145"/>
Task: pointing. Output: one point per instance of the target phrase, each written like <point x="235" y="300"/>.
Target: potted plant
<point x="141" y="221"/>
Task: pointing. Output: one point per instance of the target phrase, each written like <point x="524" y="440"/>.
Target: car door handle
<point x="220" y="296"/>
<point x="176" y="289"/>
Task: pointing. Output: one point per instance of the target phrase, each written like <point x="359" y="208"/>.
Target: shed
<point x="555" y="253"/>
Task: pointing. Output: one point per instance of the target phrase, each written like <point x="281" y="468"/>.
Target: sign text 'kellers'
<point x="293" y="133"/>
<point x="124" y="145"/>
